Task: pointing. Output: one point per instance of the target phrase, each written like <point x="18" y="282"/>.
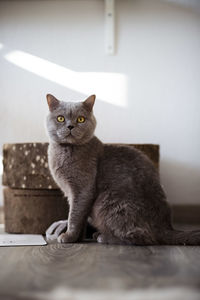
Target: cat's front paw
<point x="67" y="238"/>
<point x="56" y="229"/>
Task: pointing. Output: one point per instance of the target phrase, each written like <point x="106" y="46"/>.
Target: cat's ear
<point x="89" y="102"/>
<point x="52" y="102"/>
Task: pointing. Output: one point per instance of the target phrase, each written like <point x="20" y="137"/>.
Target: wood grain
<point x="27" y="272"/>
<point x="33" y="211"/>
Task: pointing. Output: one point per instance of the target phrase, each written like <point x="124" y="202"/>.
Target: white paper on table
<point x="7" y="239"/>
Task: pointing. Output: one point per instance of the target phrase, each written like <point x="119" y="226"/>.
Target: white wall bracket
<point x="110" y="27"/>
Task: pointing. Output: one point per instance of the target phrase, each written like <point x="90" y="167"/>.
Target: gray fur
<point x="115" y="188"/>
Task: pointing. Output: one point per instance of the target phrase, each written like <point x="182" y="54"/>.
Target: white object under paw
<point x="100" y="239"/>
<point x="22" y="240"/>
<point x="56" y="229"/>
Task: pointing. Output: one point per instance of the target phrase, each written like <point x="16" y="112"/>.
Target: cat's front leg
<point x="78" y="213"/>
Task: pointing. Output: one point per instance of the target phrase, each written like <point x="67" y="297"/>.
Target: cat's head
<point x="70" y="122"/>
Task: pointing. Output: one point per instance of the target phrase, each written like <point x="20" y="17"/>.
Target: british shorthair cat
<point x="114" y="188"/>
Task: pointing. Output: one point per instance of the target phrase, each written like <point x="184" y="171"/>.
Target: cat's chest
<point x="73" y="168"/>
<point x="62" y="161"/>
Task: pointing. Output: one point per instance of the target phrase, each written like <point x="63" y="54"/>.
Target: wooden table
<point x="92" y="271"/>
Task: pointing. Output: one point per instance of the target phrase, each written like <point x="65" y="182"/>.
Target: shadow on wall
<point x="183" y="181"/>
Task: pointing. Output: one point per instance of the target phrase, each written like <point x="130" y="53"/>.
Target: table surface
<point x="94" y="271"/>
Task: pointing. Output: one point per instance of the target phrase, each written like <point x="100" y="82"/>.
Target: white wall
<point x="147" y="93"/>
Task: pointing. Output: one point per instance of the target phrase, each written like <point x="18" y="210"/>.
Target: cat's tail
<point x="178" y="237"/>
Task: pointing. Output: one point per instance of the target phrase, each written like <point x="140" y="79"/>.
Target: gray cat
<point x="115" y="188"/>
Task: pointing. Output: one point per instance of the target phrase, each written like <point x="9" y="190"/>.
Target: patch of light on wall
<point x="109" y="87"/>
<point x="1" y="46"/>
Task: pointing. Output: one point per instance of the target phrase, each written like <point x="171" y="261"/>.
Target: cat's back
<point x="121" y="155"/>
<point x="122" y="162"/>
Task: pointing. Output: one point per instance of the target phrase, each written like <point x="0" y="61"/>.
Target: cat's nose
<point x="70" y="127"/>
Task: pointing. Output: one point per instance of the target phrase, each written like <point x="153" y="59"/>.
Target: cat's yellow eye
<point x="81" y="120"/>
<point x="60" y="119"/>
